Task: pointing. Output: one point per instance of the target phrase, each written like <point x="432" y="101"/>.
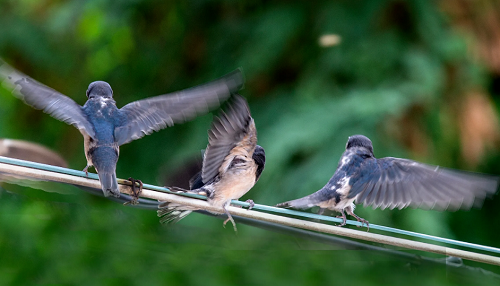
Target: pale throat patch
<point x="103" y="101"/>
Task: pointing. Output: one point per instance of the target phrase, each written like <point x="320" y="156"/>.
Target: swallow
<point x="394" y="183"/>
<point x="105" y="127"/>
<point x="232" y="163"/>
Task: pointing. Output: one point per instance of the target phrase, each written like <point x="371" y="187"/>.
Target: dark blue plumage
<point x="105" y="127"/>
<point x="102" y="151"/>
<point x="394" y="182"/>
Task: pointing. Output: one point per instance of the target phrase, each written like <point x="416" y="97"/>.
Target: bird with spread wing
<point x="232" y="163"/>
<point x="105" y="127"/>
<point x="394" y="183"/>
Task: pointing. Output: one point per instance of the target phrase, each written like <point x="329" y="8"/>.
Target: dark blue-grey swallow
<point x="105" y="127"/>
<point x="394" y="183"/>
<point x="232" y="163"/>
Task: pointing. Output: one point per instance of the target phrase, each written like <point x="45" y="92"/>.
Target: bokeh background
<point x="420" y="78"/>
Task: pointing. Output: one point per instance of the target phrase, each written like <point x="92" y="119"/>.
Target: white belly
<point x="233" y="186"/>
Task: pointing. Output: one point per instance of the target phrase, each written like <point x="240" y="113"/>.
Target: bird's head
<point x="99" y="89"/>
<point x="359" y="141"/>
<point x="259" y="156"/>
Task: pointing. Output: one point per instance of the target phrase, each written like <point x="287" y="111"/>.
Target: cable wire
<point x="263" y="208"/>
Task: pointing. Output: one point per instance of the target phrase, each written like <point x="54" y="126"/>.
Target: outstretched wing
<point x="230" y="129"/>
<point x="45" y="98"/>
<point x="140" y="118"/>
<point x="393" y="182"/>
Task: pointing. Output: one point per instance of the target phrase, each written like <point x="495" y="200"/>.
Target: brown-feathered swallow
<point x="394" y="183"/>
<point x="106" y="127"/>
<point x="232" y="163"/>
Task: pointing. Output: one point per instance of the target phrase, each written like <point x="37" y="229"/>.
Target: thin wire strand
<point x="19" y="174"/>
<point x="260" y="207"/>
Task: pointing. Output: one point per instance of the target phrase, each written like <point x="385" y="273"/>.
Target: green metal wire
<point x="260" y="207"/>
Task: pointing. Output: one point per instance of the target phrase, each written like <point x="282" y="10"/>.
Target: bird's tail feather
<point x="104" y="160"/>
<point x="109" y="184"/>
<point x="302" y="203"/>
<point x="172" y="212"/>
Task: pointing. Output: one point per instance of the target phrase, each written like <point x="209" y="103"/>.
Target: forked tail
<point x="302" y="203"/>
<point x="173" y="212"/>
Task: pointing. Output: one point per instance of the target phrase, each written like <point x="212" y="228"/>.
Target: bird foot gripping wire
<point x="351" y="213"/>
<point x="135" y="194"/>
<point x="343" y="217"/>
<point x="177" y="189"/>
<point x="361" y="220"/>
<point x="86" y="170"/>
<point x="251" y="204"/>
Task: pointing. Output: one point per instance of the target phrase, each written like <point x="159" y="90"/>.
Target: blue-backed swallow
<point x="232" y="163"/>
<point x="105" y="127"/>
<point x="394" y="183"/>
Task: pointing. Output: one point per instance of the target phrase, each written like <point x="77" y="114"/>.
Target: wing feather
<point x="45" y="98"/>
<point x="228" y="130"/>
<point x="393" y="182"/>
<point x="142" y="117"/>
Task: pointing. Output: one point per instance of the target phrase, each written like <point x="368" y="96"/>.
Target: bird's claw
<point x="251" y="204"/>
<point x="364" y="221"/>
<point x="361" y="220"/>
<point x="86" y="170"/>
<point x="135" y="194"/>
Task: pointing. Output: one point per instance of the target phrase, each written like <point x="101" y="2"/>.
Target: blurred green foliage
<point x="394" y="57"/>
